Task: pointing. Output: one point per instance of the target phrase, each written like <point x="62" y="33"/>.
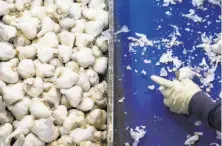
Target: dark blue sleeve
<point x="206" y="110"/>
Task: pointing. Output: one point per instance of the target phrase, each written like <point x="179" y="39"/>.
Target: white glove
<point x="177" y="95"/>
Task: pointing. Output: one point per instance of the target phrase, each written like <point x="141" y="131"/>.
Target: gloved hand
<point x="177" y="95"/>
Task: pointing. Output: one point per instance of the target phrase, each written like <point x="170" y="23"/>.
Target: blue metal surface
<point x="143" y="106"/>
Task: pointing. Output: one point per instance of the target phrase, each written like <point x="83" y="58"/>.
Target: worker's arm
<point x="186" y="97"/>
<point x="206" y="110"/>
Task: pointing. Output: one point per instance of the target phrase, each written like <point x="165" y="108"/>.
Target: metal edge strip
<point x="110" y="105"/>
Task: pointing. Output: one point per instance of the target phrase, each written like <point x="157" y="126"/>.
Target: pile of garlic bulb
<point x="52" y="54"/>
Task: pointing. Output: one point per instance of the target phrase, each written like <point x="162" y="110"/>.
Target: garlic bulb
<point x="72" y="65"/>
<point x="45" y="54"/>
<point x="5" y="7"/>
<point x="67" y="38"/>
<point x="64" y="53"/>
<point x="98" y="4"/>
<point x="75" y="11"/>
<point x="7" y="32"/>
<point x="65" y="140"/>
<point x="52" y="96"/>
<point x="44" y="70"/>
<point x="27" y="52"/>
<point x="67" y="23"/>
<point x="93" y="76"/>
<point x="5" y="116"/>
<point x="33" y="140"/>
<point x="34" y="86"/>
<point x="22" y="4"/>
<point x="65" y="78"/>
<point x="48" y="25"/>
<point x="79" y="134"/>
<point x="26" y="68"/>
<point x="79" y="26"/>
<point x="83" y="40"/>
<point x="64" y="101"/>
<point x="88" y="143"/>
<point x="84" y="57"/>
<point x="20" y="108"/>
<point x="102" y="43"/>
<point x="60" y="114"/>
<point x="13" y="93"/>
<point x="83" y="82"/>
<point x="20" y="40"/>
<point x="39" y="12"/>
<point x="100" y="65"/>
<point x="96" y="51"/>
<point x="49" y="40"/>
<point x="97" y="118"/>
<point x="8" y="72"/>
<point x="86" y="104"/>
<point x="28" y="27"/>
<point x="94" y="28"/>
<point x="45" y="130"/>
<point x="5" y="130"/>
<point x="56" y="62"/>
<point x="7" y="50"/>
<point x="39" y="109"/>
<point x="74" y="99"/>
<point x="23" y="127"/>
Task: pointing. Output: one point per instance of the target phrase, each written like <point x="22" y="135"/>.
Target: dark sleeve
<point x="206" y="110"/>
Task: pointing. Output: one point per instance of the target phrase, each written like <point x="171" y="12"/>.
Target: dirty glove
<point x="177" y="95"/>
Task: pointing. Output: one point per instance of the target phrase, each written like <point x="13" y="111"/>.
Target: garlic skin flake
<point x="7" y="51"/>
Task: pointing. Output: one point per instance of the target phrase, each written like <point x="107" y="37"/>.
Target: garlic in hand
<point x="39" y="109"/>
<point x="65" y="78"/>
<point x="45" y="130"/>
<point x="34" y="86"/>
<point x="74" y="99"/>
<point x="26" y="68"/>
<point x="7" y="50"/>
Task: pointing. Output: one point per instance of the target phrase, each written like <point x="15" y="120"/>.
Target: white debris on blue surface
<point x="124" y="29"/>
<point x="137" y="134"/>
<point x="146" y="61"/>
<point x="151" y="87"/>
<point x="168" y="13"/>
<point x="193" y="16"/>
<point x="198" y="4"/>
<point x="168" y="2"/>
<point x="191" y="140"/>
<point x="128" y="67"/>
<point x="214" y="144"/>
<point x="218" y="133"/>
<point x="141" y="41"/>
<point x="163" y="72"/>
<point x="143" y="72"/>
<point x="198" y="123"/>
<point x="121" y="100"/>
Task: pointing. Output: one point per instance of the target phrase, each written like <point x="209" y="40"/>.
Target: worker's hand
<point x="177" y="95"/>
